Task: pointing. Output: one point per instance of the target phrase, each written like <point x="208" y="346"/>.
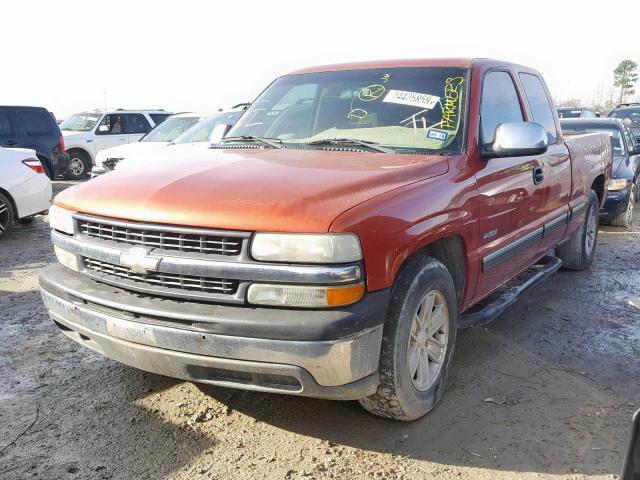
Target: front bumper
<point x="322" y="353"/>
<point x="616" y="203"/>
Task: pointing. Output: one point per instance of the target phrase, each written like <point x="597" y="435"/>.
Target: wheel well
<point x="449" y="251"/>
<point x="14" y="207"/>
<point x="82" y="150"/>
<point x="598" y="187"/>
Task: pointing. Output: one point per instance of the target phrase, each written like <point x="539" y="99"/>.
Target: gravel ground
<point x="546" y="391"/>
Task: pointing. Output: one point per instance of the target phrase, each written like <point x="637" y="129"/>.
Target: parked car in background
<point x="161" y="135"/>
<point x="630" y="113"/>
<point x="576" y="112"/>
<point x="35" y="128"/>
<point x="336" y="238"/>
<point x="86" y="133"/>
<point x="24" y="188"/>
<point x="199" y="136"/>
<point x="623" y="187"/>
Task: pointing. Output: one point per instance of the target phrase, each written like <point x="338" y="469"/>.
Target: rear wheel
<point x="6" y="215"/>
<point x="577" y="253"/>
<point x="79" y="163"/>
<point x="625" y="218"/>
<point x="419" y="338"/>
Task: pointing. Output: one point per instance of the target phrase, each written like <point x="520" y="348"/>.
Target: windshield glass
<point x="201" y="132"/>
<point x="614" y="134"/>
<point x="170" y="129"/>
<point x="410" y="109"/>
<point x="630" y="115"/>
<point x="569" y="113"/>
<point x="80" y="122"/>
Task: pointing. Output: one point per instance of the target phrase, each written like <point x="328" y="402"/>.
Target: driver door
<point x="110" y="132"/>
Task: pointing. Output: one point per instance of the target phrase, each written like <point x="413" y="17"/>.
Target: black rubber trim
<point x="577" y="210"/>
<point x="554" y="224"/>
<point x="242" y="321"/>
<point x="513" y="248"/>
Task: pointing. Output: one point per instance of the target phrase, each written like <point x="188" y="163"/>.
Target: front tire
<point x="577" y="252"/>
<point x="6" y="215"/>
<point x="418" y="341"/>
<point x="79" y="164"/>
<point x="625" y="218"/>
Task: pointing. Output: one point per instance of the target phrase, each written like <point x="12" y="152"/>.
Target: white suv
<point x="86" y="133"/>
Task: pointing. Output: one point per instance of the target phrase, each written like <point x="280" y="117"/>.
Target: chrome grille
<point x="166" y="240"/>
<point x="166" y="280"/>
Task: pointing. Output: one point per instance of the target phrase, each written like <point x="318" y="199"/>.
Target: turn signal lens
<point x="304" y="296"/>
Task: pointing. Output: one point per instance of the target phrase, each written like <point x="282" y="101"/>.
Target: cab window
<point x="500" y="104"/>
<point x="539" y="104"/>
<point x="110" y="124"/>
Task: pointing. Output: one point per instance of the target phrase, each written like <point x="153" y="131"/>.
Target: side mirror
<point x="218" y="133"/>
<point x="517" y="139"/>
<point x="636" y="149"/>
<point x="598" y="114"/>
<point x="631" y="465"/>
<point x="103" y="129"/>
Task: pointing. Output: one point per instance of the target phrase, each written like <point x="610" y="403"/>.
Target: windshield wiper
<point x="272" y="142"/>
<point x="363" y="143"/>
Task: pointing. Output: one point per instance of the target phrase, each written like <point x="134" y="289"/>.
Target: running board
<point x="498" y="303"/>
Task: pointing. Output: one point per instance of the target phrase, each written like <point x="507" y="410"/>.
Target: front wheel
<point x="6" y="215"/>
<point x="577" y="252"/>
<point x="79" y="163"/>
<point x="624" y="219"/>
<point x="419" y="338"/>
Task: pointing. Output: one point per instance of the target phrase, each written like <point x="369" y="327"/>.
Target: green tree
<point x="625" y="77"/>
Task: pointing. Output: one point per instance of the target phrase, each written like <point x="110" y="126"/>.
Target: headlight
<point x="616" y="183"/>
<point x="61" y="219"/>
<point x="67" y="259"/>
<point x="304" y="296"/>
<point x="306" y="248"/>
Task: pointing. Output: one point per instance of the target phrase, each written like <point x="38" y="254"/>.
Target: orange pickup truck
<point x="337" y="237"/>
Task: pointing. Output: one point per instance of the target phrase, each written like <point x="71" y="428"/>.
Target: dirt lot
<point x="546" y="391"/>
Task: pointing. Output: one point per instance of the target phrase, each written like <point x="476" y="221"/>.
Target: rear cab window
<point x="539" y="104"/>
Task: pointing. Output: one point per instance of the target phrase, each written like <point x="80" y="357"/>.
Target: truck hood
<point x="130" y="150"/>
<point x="73" y="135"/>
<point x="167" y="152"/>
<point x="252" y="189"/>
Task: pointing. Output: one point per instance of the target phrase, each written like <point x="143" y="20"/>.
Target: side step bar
<point x="497" y="305"/>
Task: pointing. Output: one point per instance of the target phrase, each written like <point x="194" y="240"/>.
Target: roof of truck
<point x="411" y="62"/>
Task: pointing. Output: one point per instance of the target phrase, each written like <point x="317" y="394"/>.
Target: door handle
<point x="538" y="175"/>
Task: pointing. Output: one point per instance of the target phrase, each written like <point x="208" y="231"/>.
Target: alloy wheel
<point x="76" y="166"/>
<point x="5" y="216"/>
<point x="428" y="340"/>
<point x="591" y="231"/>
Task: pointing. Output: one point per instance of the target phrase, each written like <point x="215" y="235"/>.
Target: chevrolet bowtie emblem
<point x="138" y="261"/>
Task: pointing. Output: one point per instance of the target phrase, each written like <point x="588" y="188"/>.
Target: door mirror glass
<point x="631" y="466"/>
<point x="517" y="139"/>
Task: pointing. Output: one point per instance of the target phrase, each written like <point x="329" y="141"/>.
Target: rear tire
<point x="413" y="361"/>
<point x="79" y="165"/>
<point x="577" y="253"/>
<point x="6" y="215"/>
<point x="625" y="218"/>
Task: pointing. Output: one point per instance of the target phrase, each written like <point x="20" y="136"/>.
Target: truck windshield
<point x="411" y="110"/>
<point x="80" y="122"/>
<point x="569" y="113"/>
<point x="630" y="115"/>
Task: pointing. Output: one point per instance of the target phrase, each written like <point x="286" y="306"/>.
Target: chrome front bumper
<point x="344" y="368"/>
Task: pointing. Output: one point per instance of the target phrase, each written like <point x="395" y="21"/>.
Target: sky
<point x="70" y="56"/>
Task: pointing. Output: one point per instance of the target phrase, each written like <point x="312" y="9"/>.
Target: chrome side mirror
<point x="517" y="139"/>
<point x="103" y="129"/>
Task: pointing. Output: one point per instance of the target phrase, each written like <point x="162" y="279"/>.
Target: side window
<point x="630" y="139"/>
<point x="35" y="122"/>
<point x="137" y="123"/>
<point x="159" y="117"/>
<point x="6" y="130"/>
<point x="113" y="124"/>
<point x="500" y="104"/>
<point x="540" y="105"/>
